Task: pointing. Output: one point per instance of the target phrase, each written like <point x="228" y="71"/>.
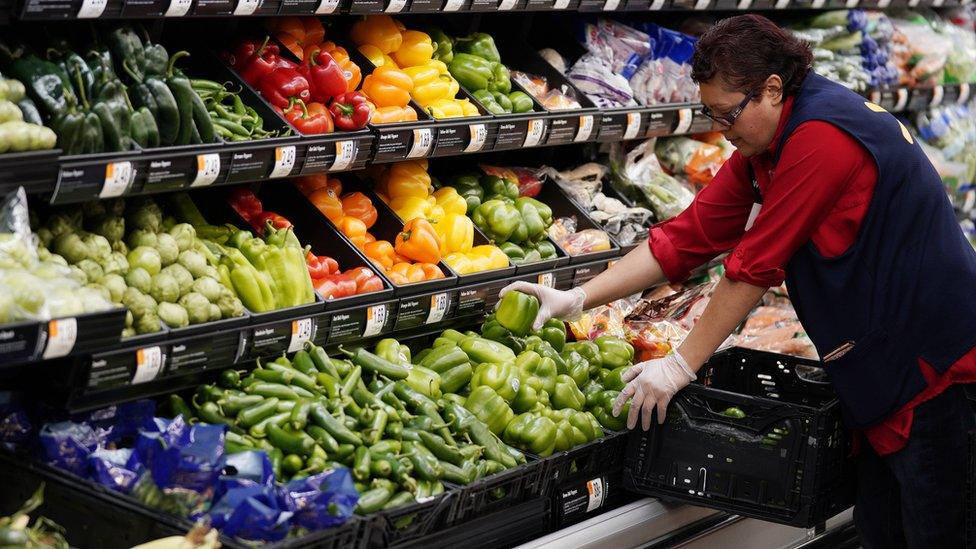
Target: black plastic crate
<point x="785" y="459"/>
<point x="581" y="497"/>
<point x="507" y="528"/>
<point x="591" y="459"/>
<point x="499" y="491"/>
<point x="410" y="523"/>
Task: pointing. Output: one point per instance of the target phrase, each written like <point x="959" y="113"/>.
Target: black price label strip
<point x="472" y="301"/>
<point x="249" y="165"/>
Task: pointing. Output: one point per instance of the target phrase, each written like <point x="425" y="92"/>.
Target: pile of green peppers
<point x="370" y="413"/>
<point x="475" y="63"/>
<point x="516" y="224"/>
<point x="21" y="127"/>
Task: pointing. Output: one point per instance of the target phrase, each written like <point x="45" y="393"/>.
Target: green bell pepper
<point x="587" y="424"/>
<point x="613" y="380"/>
<point x="501" y="377"/>
<point x="545" y="249"/>
<point x="532" y="433"/>
<point x="614" y="352"/>
<point x="493" y="330"/>
<point x="503" y="101"/>
<point x="443" y="358"/>
<point x="564" y="436"/>
<point x="443" y="44"/>
<point x="535" y="343"/>
<point x="590" y="352"/>
<point x="567" y="394"/>
<point x="554" y="333"/>
<point x="391" y="350"/>
<point x="514" y="252"/>
<point x="494" y="185"/>
<point x="480" y="350"/>
<point x="602" y="410"/>
<point x="490" y="408"/>
<point x="456" y="378"/>
<point x="528" y="393"/>
<point x="501" y="81"/>
<point x="533" y="366"/>
<point x="469" y="187"/>
<point x="534" y="223"/>
<point x="517" y="312"/>
<point x="479" y="44"/>
<point x="471" y="71"/>
<point x="488" y="101"/>
<point x="424" y="380"/>
<point x="577" y="367"/>
<point x="521" y="102"/>
<point x="497" y="220"/>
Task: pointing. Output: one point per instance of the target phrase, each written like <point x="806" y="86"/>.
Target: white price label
<point x="657" y="5"/>
<point x="438" y="307"/>
<point x="423" y="139"/>
<point x="902" y="99"/>
<point x="611" y="5"/>
<point x="817" y="4"/>
<point x="782" y="4"/>
<point x="633" y="125"/>
<point x="478" y="136"/>
<point x="327" y="6"/>
<point x="852" y="3"/>
<point x="149" y="361"/>
<point x="506" y="5"/>
<point x="208" y="168"/>
<point x="396" y="6"/>
<point x="345" y="154"/>
<point x="375" y="319"/>
<point x="585" y="127"/>
<point x="534" y="134"/>
<point x="938" y="93"/>
<point x="301" y="332"/>
<point x="594" y="489"/>
<point x="118" y="177"/>
<point x="744" y="5"/>
<point x="560" y="5"/>
<point x="178" y="8"/>
<point x="247" y="7"/>
<point x="913" y="3"/>
<point x="882" y="4"/>
<point x="284" y="161"/>
<point x="963" y="93"/>
<point x="61" y="336"/>
<point x="685" y="117"/>
<point x="547" y="279"/>
<point x="702" y="4"/>
<point x="453" y="5"/>
<point x="92" y="8"/>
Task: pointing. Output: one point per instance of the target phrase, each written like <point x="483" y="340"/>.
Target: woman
<point x="832" y="194"/>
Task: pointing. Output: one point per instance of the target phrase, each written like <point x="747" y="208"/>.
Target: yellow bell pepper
<point x="436" y="214"/>
<point x="462" y="263"/>
<point x="469" y="108"/>
<point x="377" y="57"/>
<point x="408" y="178"/>
<point x="410" y="207"/>
<point x="415" y="50"/>
<point x="379" y="30"/>
<point x="439" y="65"/>
<point x="496" y="257"/>
<point x="449" y="199"/>
<point x="428" y="84"/>
<point x="445" y="108"/>
<point x="456" y="232"/>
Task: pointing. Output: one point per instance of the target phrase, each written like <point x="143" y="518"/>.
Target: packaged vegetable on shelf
<point x="697" y="160"/>
<point x="552" y="99"/>
<point x="638" y="175"/>
<point x="563" y="232"/>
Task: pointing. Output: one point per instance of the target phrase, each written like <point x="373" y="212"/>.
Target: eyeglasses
<point x="728" y="120"/>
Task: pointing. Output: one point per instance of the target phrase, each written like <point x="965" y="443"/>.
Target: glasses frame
<point x="728" y="120"/>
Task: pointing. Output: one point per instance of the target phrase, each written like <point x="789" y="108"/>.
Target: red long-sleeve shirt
<point x="818" y="192"/>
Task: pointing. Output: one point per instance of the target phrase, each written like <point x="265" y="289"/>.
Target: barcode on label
<point x="396" y="6"/>
<point x="92" y="8"/>
<point x="208" y="168"/>
<point x="938" y="93"/>
<point x="61" y="336"/>
<point x="633" y="125"/>
<point x="478" y="135"/>
<point x="423" y="138"/>
<point x="963" y="93"/>
<point x="534" y="134"/>
<point x="345" y="154"/>
<point x="585" y="127"/>
<point x="327" y="6"/>
<point x="149" y="361"/>
<point x="902" y="99"/>
<point x="438" y="307"/>
<point x="178" y="8"/>
<point x="595" y="490"/>
<point x="301" y="332"/>
<point x="118" y="177"/>
<point x="684" y="121"/>
<point x="547" y="279"/>
<point x="284" y="161"/>
<point x="375" y="319"/>
<point x="453" y="5"/>
<point x="611" y="5"/>
<point x="246" y="7"/>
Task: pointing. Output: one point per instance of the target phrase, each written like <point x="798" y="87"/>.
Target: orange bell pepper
<point x="298" y="33"/>
<point x="413" y="273"/>
<point x="397" y="278"/>
<point x="327" y="203"/>
<point x="354" y="229"/>
<point x="419" y="241"/>
<point x="379" y="30"/>
<point x="381" y="251"/>
<point x="370" y="237"/>
<point x="376" y="57"/>
<point x="388" y="86"/>
<point x="359" y="205"/>
<point x="408" y="178"/>
<point x="350" y="70"/>
<point x="314" y="31"/>
<point x="415" y="49"/>
<point x="308" y="184"/>
<point x="393" y="114"/>
<point x="431" y="271"/>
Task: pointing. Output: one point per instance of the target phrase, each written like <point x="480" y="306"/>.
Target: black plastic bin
<point x="784" y="459"/>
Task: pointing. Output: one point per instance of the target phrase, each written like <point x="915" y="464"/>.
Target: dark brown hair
<point x="746" y="49"/>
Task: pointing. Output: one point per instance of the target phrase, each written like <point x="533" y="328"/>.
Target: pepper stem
<point x="346" y="352"/>
<point x="81" y="88"/>
<point x="172" y="61"/>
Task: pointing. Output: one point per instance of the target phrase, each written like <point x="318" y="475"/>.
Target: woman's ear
<point x="774" y="89"/>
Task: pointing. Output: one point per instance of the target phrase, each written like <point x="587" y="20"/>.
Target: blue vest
<point x="906" y="289"/>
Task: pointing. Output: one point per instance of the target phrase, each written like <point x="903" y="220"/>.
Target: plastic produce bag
<point x="119" y="469"/>
<point x="67" y="445"/>
<point x="695" y="159"/>
<point x="552" y="99"/>
<point x="563" y="232"/>
<point x="529" y="179"/>
<point x="660" y="325"/>
<point x="638" y="175"/>
<point x="121" y="422"/>
<point x="252" y="468"/>
<point x="605" y="87"/>
<point x="665" y="75"/>
<point x="320" y="501"/>
<point x="250" y="513"/>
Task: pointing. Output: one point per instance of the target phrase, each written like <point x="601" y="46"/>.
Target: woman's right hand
<point x="561" y="304"/>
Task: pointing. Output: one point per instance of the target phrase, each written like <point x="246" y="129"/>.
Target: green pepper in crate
<point x="513" y="251"/>
<point x="567" y="394"/>
<point x="478" y="44"/>
<point x="487" y="99"/>
<point x="545" y="249"/>
<point x="503" y="101"/>
<point x="486" y="405"/>
<point x="531" y="364"/>
<point x="47" y="85"/>
<point x="590" y="352"/>
<point x="472" y="72"/>
<point x="493" y="330"/>
<point x="602" y="410"/>
<point x="501" y="81"/>
<point x="577" y="367"/>
<point x="533" y="433"/>
<point x="501" y="377"/>
<point x="614" y="352"/>
<point x="443" y="45"/>
<point x="469" y="187"/>
<point x="554" y="333"/>
<point x="481" y="350"/>
<point x="443" y="358"/>
<point x="499" y="187"/>
<point x="521" y="102"/>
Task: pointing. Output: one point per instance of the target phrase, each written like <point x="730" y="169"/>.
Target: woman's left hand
<point x="652" y="384"/>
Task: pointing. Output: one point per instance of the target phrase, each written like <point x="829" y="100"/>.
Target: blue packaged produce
<point x="251" y="513"/>
<point x="67" y="445"/>
<point x="252" y="468"/>
<point x="115" y="469"/>
<point x="321" y="501"/>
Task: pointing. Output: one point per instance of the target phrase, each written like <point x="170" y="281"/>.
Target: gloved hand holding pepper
<point x="652" y="384"/>
<point x="553" y="303"/>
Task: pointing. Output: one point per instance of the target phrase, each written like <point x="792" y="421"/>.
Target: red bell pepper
<point x="299" y="116"/>
<point x="335" y="286"/>
<point x="260" y="63"/>
<point x="260" y="221"/>
<point x="350" y="111"/>
<point x="320" y="266"/>
<point x="245" y="202"/>
<point x="325" y="76"/>
<point x="371" y="284"/>
<point x="281" y="85"/>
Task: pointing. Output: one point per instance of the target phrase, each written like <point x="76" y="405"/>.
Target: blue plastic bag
<point x="325" y="500"/>
<point x="252" y="468"/>
<point x="115" y="469"/>
<point x="250" y="513"/>
<point x="67" y="445"/>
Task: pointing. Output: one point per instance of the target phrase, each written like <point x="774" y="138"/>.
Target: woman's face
<point x="755" y="126"/>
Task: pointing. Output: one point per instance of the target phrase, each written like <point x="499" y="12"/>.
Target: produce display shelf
<point x="42" y="10"/>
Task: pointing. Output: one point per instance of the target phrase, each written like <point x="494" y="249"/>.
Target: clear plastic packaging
<point x="563" y="232"/>
<point x="638" y="175"/>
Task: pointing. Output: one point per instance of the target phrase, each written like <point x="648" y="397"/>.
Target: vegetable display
<point x="475" y="63"/>
<point x="21" y="126"/>
<point x="16" y="530"/>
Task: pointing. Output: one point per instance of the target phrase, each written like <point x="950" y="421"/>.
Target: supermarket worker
<point x="834" y="195"/>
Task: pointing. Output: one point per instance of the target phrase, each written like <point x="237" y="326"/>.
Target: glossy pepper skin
<point x="493" y="330"/>
<point x="513" y="251"/>
<point x="297" y="114"/>
<point x="428" y="85"/>
<point x="408" y="179"/>
<point x="554" y="333"/>
<point x="531" y="365"/>
<point x="415" y="49"/>
<point x="472" y="72"/>
<point x="468" y="186"/>
<point x="533" y="433"/>
<point x="535" y="227"/>
<point x="325" y="77"/>
<point x="566" y="394"/>
<point x="388" y="86"/>
<point x="614" y="352"/>
<point x="480" y="350"/>
<point x="497" y="219"/>
<point x="589" y="351"/>
<point x="350" y="111"/>
<point x="602" y="410"/>
<point x="517" y="311"/>
<point x="577" y="367"/>
<point x="456" y="232"/>
<point x="501" y="83"/>
<point x="490" y="408"/>
<point x="489" y="102"/>
<point x="282" y="84"/>
<point x="501" y="377"/>
<point x="586" y="424"/>
<point x="449" y="199"/>
<point x="419" y="241"/>
<point x="499" y="187"/>
<point x="521" y="102"/>
<point x="443" y="44"/>
<point x="478" y="44"/>
<point x="380" y="31"/>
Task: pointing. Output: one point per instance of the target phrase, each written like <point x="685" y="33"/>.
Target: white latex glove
<point x="652" y="383"/>
<point x="553" y="303"/>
